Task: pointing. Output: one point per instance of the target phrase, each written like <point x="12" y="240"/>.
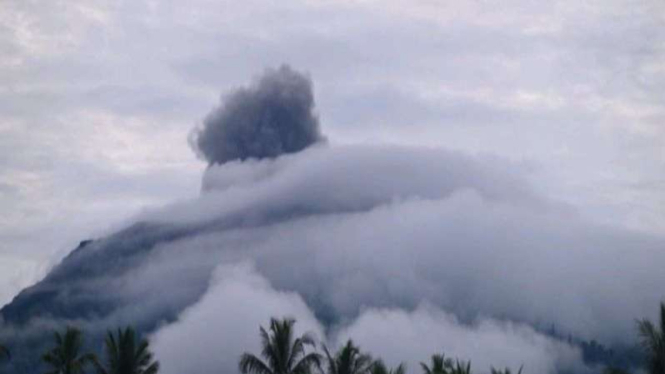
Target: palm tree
<point x="440" y="365"/>
<point x="125" y="354"/>
<point x="653" y="342"/>
<point x="66" y="357"/>
<point x="283" y="353"/>
<point x="348" y="360"/>
<point x="378" y="367"/>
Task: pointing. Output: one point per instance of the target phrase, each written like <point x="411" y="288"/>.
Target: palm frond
<point x="332" y="362"/>
<point x="250" y="364"/>
<point x="66" y="357"/>
<point x="98" y="366"/>
<point x="509" y="371"/>
<point x="427" y="370"/>
<point x="440" y="365"/>
<point x="282" y="353"/>
<point x="304" y="366"/>
<point x="126" y="353"/>
<point x="152" y="369"/>
<point x="379" y="367"/>
<point x="400" y="369"/>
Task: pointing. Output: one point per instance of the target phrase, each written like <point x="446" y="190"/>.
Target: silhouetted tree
<point x="653" y="342"/>
<point x="283" y="353"/>
<point x="125" y="354"/>
<point x="378" y="367"/>
<point x="440" y="365"/>
<point x="348" y="360"/>
<point x="66" y="356"/>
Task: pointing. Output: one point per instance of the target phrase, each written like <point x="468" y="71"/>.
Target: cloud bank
<point x="223" y="325"/>
<point x="393" y="227"/>
<point x="396" y="335"/>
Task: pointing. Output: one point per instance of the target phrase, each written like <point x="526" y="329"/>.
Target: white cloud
<point x="393" y="227"/>
<point x="412" y="337"/>
<point x="211" y="335"/>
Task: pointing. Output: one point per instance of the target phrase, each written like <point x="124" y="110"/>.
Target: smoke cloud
<point x="273" y="116"/>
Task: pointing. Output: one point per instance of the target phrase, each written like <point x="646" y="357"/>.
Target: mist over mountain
<point x="408" y="250"/>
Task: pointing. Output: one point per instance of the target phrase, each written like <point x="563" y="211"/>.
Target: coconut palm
<point x="440" y="365"/>
<point x="126" y="354"/>
<point x="283" y="353"/>
<point x="66" y="356"/>
<point x="348" y="360"/>
<point x="378" y="367"/>
<point x="653" y="342"/>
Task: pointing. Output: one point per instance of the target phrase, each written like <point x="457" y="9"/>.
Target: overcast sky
<point x="97" y="99"/>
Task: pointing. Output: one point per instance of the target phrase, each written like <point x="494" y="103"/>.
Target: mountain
<point x="444" y="250"/>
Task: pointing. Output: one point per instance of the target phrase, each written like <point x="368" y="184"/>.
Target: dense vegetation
<point x="284" y="353"/>
<point x="125" y="354"/>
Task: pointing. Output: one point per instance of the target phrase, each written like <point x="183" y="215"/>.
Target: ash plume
<point x="273" y="116"/>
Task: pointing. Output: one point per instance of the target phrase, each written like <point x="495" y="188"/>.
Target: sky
<point x="100" y="97"/>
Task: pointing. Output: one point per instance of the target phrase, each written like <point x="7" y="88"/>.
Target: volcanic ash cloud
<point x="273" y="116"/>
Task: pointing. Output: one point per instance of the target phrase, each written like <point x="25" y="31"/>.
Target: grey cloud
<point x="272" y="117"/>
